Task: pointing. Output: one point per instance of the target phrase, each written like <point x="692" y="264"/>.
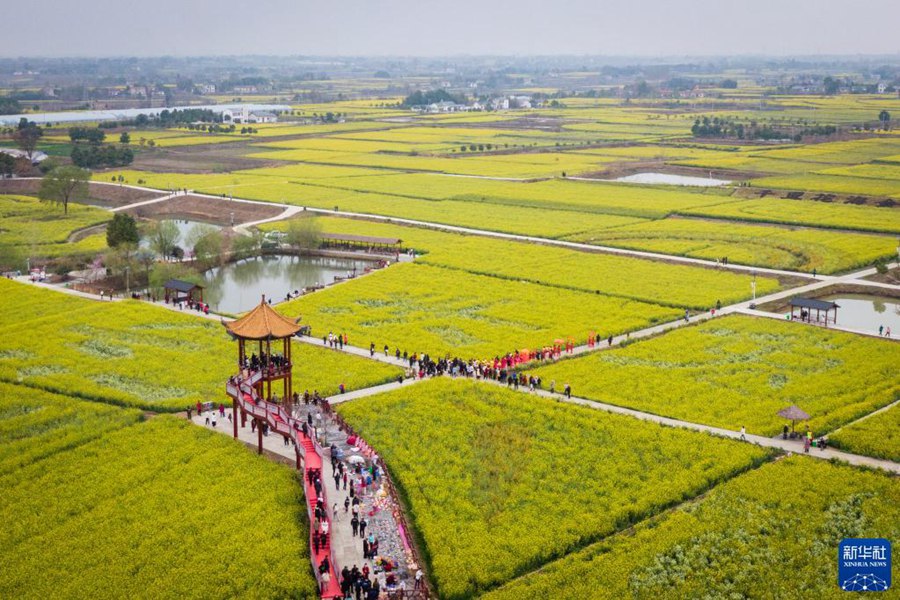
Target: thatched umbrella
<point x="793" y="414"/>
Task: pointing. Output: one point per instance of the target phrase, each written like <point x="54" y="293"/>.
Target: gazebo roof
<point x="813" y="303"/>
<point x="181" y="286"/>
<point x="262" y="323"/>
<point x="793" y="413"/>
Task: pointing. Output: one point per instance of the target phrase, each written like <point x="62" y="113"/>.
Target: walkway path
<point x="286" y="214"/>
<point x="787" y="445"/>
<point x="146" y="202"/>
<point x="346" y="547"/>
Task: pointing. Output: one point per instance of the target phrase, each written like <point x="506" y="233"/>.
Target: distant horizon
<point x="857" y="55"/>
<point x="851" y="57"/>
<point x="387" y="28"/>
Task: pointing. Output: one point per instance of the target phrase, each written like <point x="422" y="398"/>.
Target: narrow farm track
<point x="146" y="202"/>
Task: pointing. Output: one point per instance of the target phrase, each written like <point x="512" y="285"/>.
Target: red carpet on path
<point x="312" y="461"/>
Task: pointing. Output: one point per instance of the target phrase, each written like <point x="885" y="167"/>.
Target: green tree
<point x="206" y="241"/>
<point x="63" y="185"/>
<point x="163" y="235"/>
<point x="122" y="260"/>
<point x="7" y="164"/>
<point x="122" y="229"/>
<point x="244" y="246"/>
<point x="885" y="117"/>
<point x="27" y="136"/>
<point x="304" y="234"/>
<point x="146" y="259"/>
<point x="124" y="138"/>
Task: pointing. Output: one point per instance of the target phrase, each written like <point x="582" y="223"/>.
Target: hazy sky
<point x="449" y="27"/>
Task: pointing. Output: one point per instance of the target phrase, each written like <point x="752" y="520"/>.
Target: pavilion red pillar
<point x="234" y="415"/>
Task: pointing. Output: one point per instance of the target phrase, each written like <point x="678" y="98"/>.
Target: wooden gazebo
<point x="178" y="290"/>
<point x="807" y="305"/>
<point x="258" y="333"/>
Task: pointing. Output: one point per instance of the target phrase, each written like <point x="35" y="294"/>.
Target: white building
<point x="245" y="115"/>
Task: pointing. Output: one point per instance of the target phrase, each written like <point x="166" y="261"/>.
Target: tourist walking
<point x="743" y="433"/>
<point x="362" y="526"/>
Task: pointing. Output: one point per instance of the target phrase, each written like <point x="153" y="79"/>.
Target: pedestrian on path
<point x="743" y="433"/>
<point x="354" y="524"/>
<point x="346" y="504"/>
<point x="419" y="583"/>
<point x="568" y="391"/>
<point x="362" y="526"/>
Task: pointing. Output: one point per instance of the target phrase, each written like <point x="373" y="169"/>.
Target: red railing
<point x="281" y="422"/>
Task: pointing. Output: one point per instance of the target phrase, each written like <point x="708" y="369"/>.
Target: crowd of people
<point x="191" y="304"/>
<point x="271" y="362"/>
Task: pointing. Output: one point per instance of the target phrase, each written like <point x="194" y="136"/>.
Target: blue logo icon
<point x="864" y="565"/>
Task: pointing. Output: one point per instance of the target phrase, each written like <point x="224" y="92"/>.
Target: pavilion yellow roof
<point x="262" y="323"/>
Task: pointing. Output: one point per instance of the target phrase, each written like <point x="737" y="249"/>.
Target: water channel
<point x="668" y="179"/>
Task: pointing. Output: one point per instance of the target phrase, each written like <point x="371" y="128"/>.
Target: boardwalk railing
<point x="241" y="389"/>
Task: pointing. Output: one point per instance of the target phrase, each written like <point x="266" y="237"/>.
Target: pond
<point x="667" y="179"/>
<point x="238" y="286"/>
<point x="867" y="313"/>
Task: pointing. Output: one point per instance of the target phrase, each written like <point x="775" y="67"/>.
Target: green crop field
<point x="41" y="230"/>
<point x="878" y="436"/>
<point x="735" y="542"/>
<point x="760" y="245"/>
<point x="421" y="308"/>
<point x="516" y="231"/>
<point x="504" y="482"/>
<point x="620" y="276"/>
<point x="35" y="424"/>
<point x="804" y="212"/>
<point x="162" y="506"/>
<point x="133" y="353"/>
<point x="741" y="370"/>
